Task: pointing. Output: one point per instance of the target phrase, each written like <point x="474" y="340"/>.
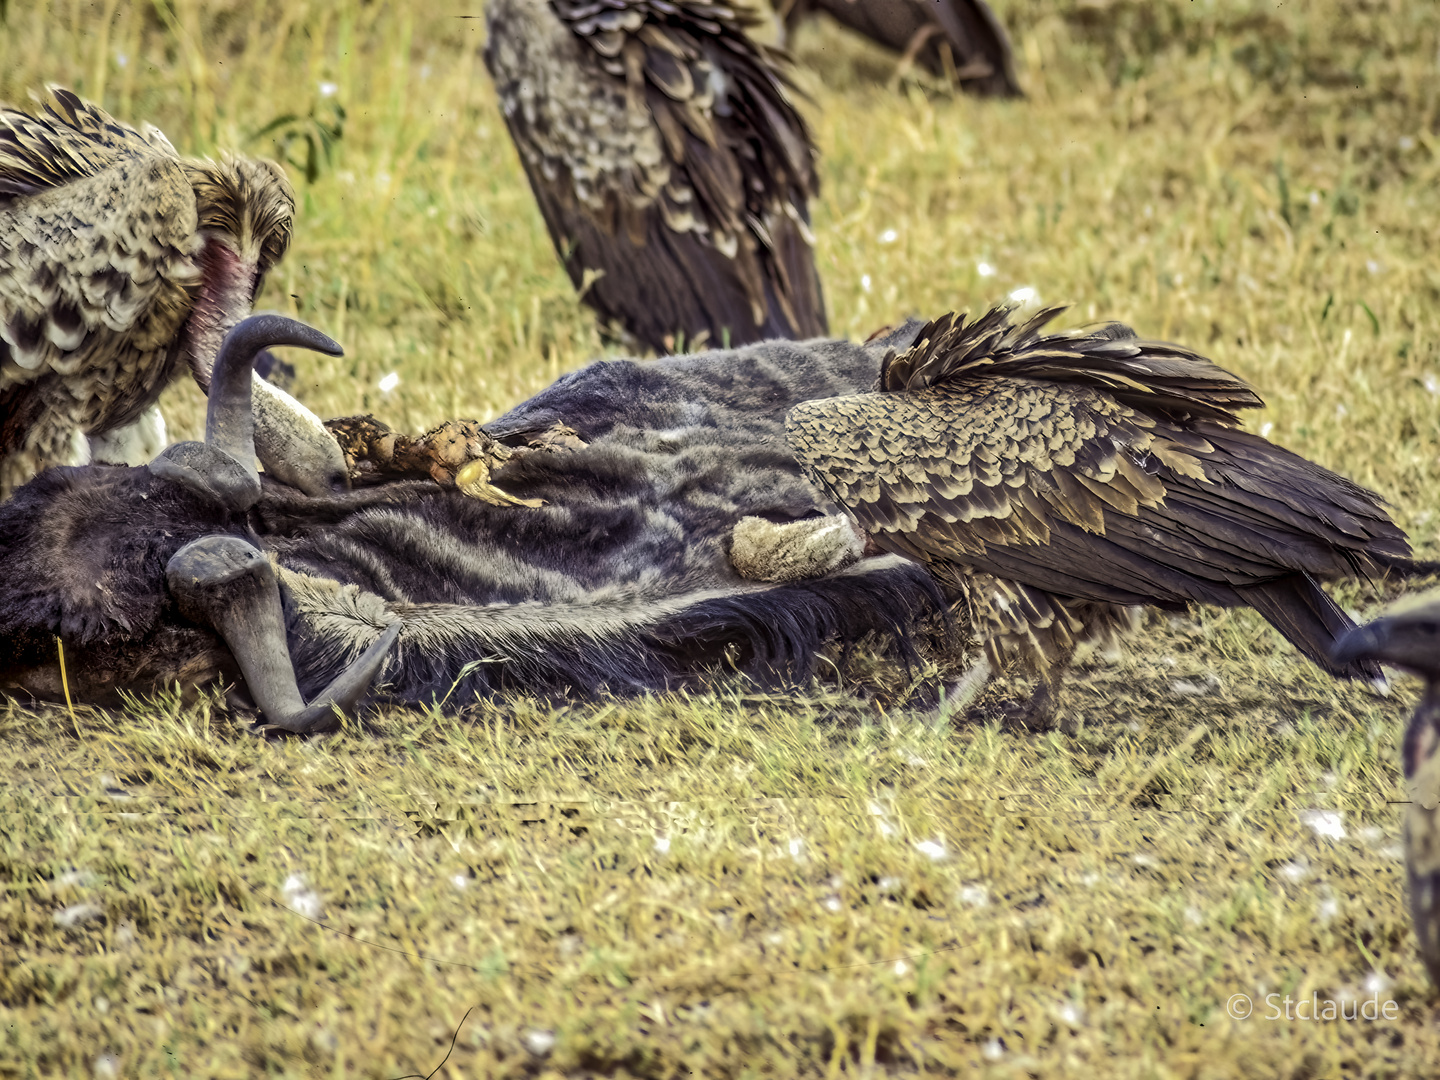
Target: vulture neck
<point x="227" y="288"/>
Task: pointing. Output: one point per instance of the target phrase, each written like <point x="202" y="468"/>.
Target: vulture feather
<point x="1054" y="481"/>
<point x="121" y="261"/>
<point x="1408" y="637"/>
<point x="960" y="41"/>
<point x="669" y="162"/>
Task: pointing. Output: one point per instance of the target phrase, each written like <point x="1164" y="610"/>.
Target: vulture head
<point x="245" y="210"/>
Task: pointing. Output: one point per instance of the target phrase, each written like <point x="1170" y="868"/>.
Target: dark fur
<point x="621" y="582"/>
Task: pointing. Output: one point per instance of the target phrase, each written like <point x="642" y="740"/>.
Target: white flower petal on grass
<point x="984" y="269"/>
<point x="890" y="884"/>
<point x="865" y="282"/>
<point x="389" y="382"/>
<point x="1194" y="916"/>
<point x="1024" y="295"/>
<point x="106" y="1067"/>
<point x="796" y="846"/>
<point x="1314" y="198"/>
<point x="901" y="967"/>
<point x="300" y="897"/>
<point x="76" y="915"/>
<point x="538" y="1042"/>
<point x="1327" y="823"/>
<point x="1327" y="910"/>
<point x="460" y="881"/>
<point x="81" y="878"/>
<point x="973" y="895"/>
<point x="1071" y="1014"/>
<point x="1294" y="871"/>
<point x="889" y="236"/>
<point x="934" y="849"/>
<point x="1407" y="142"/>
<point x="1431" y="383"/>
<point x="993" y="1050"/>
<point x="831" y="903"/>
<point x="1373" y="266"/>
<point x="1377" y="982"/>
<point x="328" y="89"/>
<point x="1140" y="858"/>
<point x="662" y="844"/>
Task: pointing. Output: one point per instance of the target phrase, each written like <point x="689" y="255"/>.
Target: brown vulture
<point x="1408" y="637"/>
<point x="119" y="262"/>
<point x="669" y="163"/>
<point x="960" y="41"/>
<point x="1053" y="481"/>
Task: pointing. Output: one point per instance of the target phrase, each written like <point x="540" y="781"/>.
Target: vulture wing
<point x="97" y="264"/>
<point x="979" y="55"/>
<point x="1090" y="466"/>
<point x="97" y="226"/>
<point x="669" y="163"/>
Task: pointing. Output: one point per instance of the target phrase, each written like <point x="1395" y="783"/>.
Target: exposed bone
<point x="228" y="584"/>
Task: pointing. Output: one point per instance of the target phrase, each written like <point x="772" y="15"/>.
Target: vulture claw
<point x="228" y="584"/>
<point x="474" y="480"/>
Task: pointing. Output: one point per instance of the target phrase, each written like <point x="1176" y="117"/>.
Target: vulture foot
<point x="458" y="453"/>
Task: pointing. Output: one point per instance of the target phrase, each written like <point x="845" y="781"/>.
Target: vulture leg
<point x="228" y="584"/>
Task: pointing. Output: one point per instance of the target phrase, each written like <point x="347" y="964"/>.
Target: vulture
<point x="669" y="162"/>
<point x="960" y="41"/>
<point x="1409" y="638"/>
<point x="121" y="261"/>
<point x="1051" y="482"/>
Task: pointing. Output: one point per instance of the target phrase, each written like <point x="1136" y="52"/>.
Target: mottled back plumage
<point x="1054" y="479"/>
<point x="957" y="40"/>
<point x="119" y="260"/>
<point x="669" y="163"/>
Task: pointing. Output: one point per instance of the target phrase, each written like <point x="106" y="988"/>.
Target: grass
<point x="734" y="884"/>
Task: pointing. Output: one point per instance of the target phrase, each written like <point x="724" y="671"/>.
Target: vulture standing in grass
<point x="121" y="261"/>
<point x="1408" y="637"/>
<point x="669" y="163"/>
<point x="1054" y="481"/>
<point x="960" y="41"/>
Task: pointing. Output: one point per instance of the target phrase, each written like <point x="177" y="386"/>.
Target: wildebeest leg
<point x="226" y="583"/>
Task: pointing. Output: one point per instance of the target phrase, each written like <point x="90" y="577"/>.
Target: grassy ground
<point x="740" y="885"/>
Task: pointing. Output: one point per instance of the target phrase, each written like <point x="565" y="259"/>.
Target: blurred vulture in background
<point x="960" y="41"/>
<point x="669" y="163"/>
<point x="120" y="262"/>
<point x="1408" y="637"/>
<point x="1054" y="481"/>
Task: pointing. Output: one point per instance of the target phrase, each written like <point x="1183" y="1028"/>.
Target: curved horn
<point x="228" y="584"/>
<point x="229" y="416"/>
<point x="223" y="466"/>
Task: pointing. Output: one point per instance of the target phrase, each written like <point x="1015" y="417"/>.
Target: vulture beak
<point x="225" y="582"/>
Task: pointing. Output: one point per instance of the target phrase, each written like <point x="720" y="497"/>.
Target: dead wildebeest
<point x="600" y="555"/>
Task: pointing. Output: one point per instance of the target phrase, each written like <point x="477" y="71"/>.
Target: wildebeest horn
<point x="227" y="583"/>
<point x="223" y="466"/>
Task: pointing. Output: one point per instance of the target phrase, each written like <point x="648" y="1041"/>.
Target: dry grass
<point x="730" y="884"/>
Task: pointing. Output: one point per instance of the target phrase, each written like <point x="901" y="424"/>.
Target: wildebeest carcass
<point x="600" y="555"/>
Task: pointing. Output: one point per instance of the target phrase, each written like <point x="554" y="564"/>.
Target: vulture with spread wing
<point x="669" y="163"/>
<point x="1055" y="480"/>
<point x="1408" y="637"/>
<point x="960" y="41"/>
<point x="119" y="262"/>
